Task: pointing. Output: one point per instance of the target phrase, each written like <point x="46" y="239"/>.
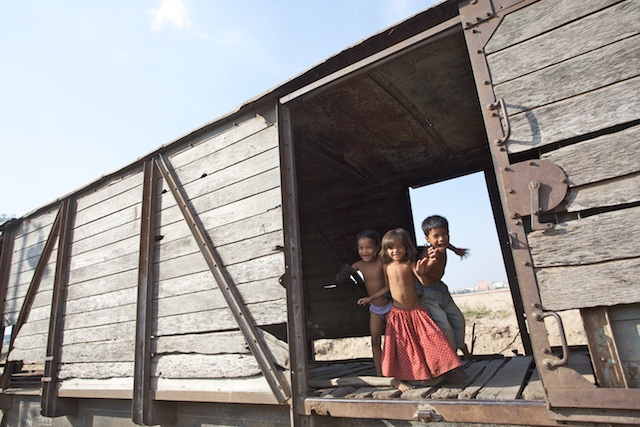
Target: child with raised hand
<point x="436" y="298"/>
<point x="415" y="348"/>
<point x="368" y="244"/>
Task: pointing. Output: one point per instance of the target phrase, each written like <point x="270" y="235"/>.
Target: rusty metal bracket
<point x="427" y="414"/>
<point x="478" y="11"/>
<point x="533" y="188"/>
<point x="552" y="363"/>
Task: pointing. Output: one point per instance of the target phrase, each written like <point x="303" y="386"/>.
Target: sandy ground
<point x="491" y="328"/>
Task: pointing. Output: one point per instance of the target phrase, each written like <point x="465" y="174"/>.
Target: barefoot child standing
<point x="415" y="348"/>
<point x="368" y="243"/>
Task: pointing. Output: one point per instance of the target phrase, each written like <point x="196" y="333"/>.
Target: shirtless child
<point x="368" y="243"/>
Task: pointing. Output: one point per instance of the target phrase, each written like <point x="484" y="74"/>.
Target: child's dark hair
<point x="393" y="237"/>
<point x="368" y="234"/>
<point x="433" y="222"/>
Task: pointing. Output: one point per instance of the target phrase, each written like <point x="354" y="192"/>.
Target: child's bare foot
<point x="402" y="386"/>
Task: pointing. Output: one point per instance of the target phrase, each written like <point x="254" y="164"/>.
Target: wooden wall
<point x="569" y="72"/>
<point x="231" y="178"/>
<point x="570" y="75"/>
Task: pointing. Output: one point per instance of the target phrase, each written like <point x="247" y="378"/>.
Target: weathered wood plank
<point x="576" y="38"/>
<point x="490" y="369"/>
<point x="205" y="366"/>
<point x="598" y="159"/>
<point x="249" y="271"/>
<point x="102" y="209"/>
<point x="535" y="19"/>
<point x="112" y="235"/>
<point x="123" y="331"/>
<point x="508" y="382"/>
<point x="593" y="70"/>
<point x="603" y="284"/>
<point x="604" y="237"/>
<point x="35" y="224"/>
<point x="102" y="301"/>
<point x="236" y="211"/>
<point x="212" y="299"/>
<point x="95" y="370"/>
<point x="583" y="114"/>
<point x="105" y="253"/>
<point x="119" y="350"/>
<point x="103" y="285"/>
<point x="243" y="229"/>
<point x="104" y="269"/>
<point x="117" y="185"/>
<point x="217" y="142"/>
<point x="452" y="391"/>
<point x="109" y="222"/>
<point x="251" y="292"/>
<point x="267" y="313"/>
<point x="614" y="192"/>
<point x="237" y="153"/>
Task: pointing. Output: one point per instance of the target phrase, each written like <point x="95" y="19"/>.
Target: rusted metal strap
<point x="144" y="410"/>
<point x="52" y="406"/>
<point x="274" y="377"/>
<point x="31" y="294"/>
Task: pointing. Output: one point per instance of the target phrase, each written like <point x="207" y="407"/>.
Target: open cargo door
<point x="558" y="84"/>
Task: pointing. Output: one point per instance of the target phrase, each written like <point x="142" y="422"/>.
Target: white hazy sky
<point x="88" y="87"/>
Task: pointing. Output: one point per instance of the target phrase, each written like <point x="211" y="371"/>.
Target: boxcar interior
<point x="360" y="144"/>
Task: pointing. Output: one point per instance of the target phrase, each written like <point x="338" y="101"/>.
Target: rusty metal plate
<point x="517" y="179"/>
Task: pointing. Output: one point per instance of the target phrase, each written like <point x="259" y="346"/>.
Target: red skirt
<point x="414" y="347"/>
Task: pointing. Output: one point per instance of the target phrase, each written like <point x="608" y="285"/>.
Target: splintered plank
<point x="355" y="381"/>
<point x="362" y="393"/>
<point x="534" y="389"/>
<point x="508" y="382"/>
<point x="337" y="392"/>
<point x="451" y="391"/>
<point x="340" y="370"/>
<point x="386" y="393"/>
<point x="422" y="392"/>
<point x="476" y="385"/>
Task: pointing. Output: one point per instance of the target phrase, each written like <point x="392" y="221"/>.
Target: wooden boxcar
<point x="187" y="288"/>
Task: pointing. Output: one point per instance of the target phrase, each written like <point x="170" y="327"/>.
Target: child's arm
<point x="461" y="252"/>
<point x="380" y="293"/>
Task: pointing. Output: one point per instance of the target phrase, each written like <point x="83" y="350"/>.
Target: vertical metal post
<point x="6" y="256"/>
<point x="144" y="409"/>
<point x="52" y="405"/>
<point x="296" y="322"/>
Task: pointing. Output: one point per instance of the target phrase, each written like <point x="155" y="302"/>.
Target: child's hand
<point x="364" y="301"/>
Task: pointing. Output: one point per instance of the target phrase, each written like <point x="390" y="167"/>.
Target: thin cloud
<point x="171" y="12"/>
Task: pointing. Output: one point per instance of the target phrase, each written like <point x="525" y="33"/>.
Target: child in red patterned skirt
<point x="414" y="348"/>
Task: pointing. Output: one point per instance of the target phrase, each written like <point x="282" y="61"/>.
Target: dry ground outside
<point x="492" y="328"/>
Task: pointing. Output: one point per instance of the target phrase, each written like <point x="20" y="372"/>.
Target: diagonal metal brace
<point x="279" y="385"/>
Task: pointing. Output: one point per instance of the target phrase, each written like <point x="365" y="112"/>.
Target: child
<point x="415" y="348"/>
<point x="436" y="297"/>
<point x="368" y="244"/>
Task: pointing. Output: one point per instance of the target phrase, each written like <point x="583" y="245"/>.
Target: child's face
<point x="397" y="252"/>
<point x="367" y="249"/>
<point x="438" y="238"/>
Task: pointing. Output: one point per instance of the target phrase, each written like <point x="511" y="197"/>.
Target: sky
<point x="86" y="88"/>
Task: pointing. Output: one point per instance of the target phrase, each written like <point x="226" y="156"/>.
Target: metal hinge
<point x="533" y="188"/>
<point x="477" y="12"/>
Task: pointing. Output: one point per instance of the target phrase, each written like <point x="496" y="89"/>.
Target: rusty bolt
<point x="512" y="191"/>
<point x="515" y="215"/>
<point x="533" y="164"/>
<point x="517" y="223"/>
<point x="527" y="264"/>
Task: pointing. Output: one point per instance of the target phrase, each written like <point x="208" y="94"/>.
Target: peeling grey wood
<point x="220" y="141"/>
<point x="110" y="236"/>
<point x="120" y="350"/>
<point x="603" y="194"/>
<point x="535" y="19"/>
<point x="205" y="366"/>
<point x="590" y="112"/>
<point x="130" y="198"/>
<point x="104" y="269"/>
<point x="105" y="253"/>
<point x="240" y="151"/>
<point x="605" y="157"/>
<point x="117" y="185"/>
<point x="603" y="284"/>
<point x="103" y="285"/>
<point x="604" y="237"/>
<point x="100" y="225"/>
<point x="576" y="38"/>
<point x="116" y="331"/>
<point x="267" y="313"/>
<point x="575" y="76"/>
